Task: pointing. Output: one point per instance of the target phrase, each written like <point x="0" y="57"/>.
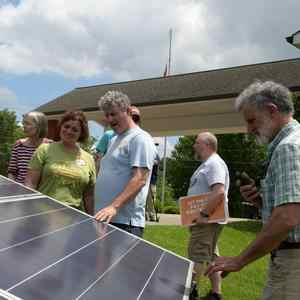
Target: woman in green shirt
<point x="62" y="170"/>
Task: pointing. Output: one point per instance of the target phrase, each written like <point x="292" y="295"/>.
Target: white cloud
<point x="129" y="39"/>
<point x="9" y="101"/>
<point x="6" y="95"/>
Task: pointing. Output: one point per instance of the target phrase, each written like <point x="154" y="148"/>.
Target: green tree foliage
<point x="169" y="193"/>
<point x="240" y="152"/>
<point x="88" y="145"/>
<point x="181" y="165"/>
<point x="297" y="107"/>
<point x="9" y="133"/>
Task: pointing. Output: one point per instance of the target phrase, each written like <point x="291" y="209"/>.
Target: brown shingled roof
<point x="207" y="85"/>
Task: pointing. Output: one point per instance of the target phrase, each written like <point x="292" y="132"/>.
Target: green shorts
<point x="203" y="242"/>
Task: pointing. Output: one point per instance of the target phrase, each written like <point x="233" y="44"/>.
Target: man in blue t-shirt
<point x="122" y="187"/>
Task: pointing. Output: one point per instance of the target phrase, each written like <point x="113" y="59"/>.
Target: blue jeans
<point x="138" y="231"/>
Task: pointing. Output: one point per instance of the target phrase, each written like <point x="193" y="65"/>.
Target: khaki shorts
<point x="283" y="276"/>
<point x="203" y="242"/>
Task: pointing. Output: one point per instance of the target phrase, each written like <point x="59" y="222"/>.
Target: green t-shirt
<point x="64" y="175"/>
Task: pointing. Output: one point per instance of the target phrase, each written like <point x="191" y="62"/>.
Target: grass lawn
<point x="247" y="284"/>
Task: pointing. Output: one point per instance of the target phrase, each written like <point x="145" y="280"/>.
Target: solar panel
<point x="51" y="251"/>
<point x="11" y="189"/>
<point x="7" y="296"/>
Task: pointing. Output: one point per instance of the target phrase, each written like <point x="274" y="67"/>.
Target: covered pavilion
<point x="182" y="104"/>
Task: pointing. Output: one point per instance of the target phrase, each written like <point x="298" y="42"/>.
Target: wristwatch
<point x="203" y="214"/>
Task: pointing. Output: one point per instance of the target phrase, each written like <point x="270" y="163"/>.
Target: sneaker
<point x="214" y="296"/>
<point x="194" y="292"/>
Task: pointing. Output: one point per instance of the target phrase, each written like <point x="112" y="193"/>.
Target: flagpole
<point x="170" y="49"/>
<point x="163" y="193"/>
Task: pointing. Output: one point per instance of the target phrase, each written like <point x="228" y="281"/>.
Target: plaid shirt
<point x="282" y="182"/>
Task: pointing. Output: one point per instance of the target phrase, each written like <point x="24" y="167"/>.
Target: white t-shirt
<point x="213" y="170"/>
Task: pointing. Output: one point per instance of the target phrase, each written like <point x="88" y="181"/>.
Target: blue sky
<point x="49" y="47"/>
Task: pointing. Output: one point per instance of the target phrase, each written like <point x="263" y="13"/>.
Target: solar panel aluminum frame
<point x="4" y="295"/>
<point x="34" y="192"/>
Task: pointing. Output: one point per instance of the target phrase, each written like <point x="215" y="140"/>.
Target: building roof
<point x="198" y="86"/>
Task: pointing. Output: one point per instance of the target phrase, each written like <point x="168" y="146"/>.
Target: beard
<point x="197" y="157"/>
<point x="265" y="133"/>
<point x="262" y="139"/>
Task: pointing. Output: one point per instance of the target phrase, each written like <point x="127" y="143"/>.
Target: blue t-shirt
<point x="133" y="148"/>
<point x="103" y="144"/>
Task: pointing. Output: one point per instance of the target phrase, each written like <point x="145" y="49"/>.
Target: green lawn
<point x="247" y="284"/>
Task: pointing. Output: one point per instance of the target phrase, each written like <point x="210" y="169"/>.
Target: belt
<point x="285" y="245"/>
<point x="289" y="245"/>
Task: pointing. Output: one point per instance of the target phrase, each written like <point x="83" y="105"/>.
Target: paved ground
<point x="169" y="219"/>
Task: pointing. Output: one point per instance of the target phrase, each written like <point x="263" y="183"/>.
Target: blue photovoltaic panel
<point x="51" y="251"/>
<point x="8" y="188"/>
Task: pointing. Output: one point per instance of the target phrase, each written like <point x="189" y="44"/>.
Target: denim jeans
<point x="138" y="231"/>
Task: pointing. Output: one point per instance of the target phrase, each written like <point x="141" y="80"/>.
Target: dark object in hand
<point x="225" y="274"/>
<point x="242" y="179"/>
<point x="204" y="214"/>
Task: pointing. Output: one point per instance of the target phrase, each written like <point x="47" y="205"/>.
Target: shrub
<point x="171" y="210"/>
<point x="158" y="206"/>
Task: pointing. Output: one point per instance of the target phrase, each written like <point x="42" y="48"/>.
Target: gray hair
<point x="261" y="93"/>
<point x="209" y="139"/>
<point x="114" y="99"/>
<point x="40" y="122"/>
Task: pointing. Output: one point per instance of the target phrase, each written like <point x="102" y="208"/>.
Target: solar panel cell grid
<point x="51" y="251"/>
<point x="8" y="188"/>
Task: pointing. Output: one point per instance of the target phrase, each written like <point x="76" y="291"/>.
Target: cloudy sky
<point x="49" y="47"/>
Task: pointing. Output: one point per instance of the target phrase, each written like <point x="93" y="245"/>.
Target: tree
<point x="297" y="107"/>
<point x="9" y="133"/>
<point x="181" y="165"/>
<point x="241" y="153"/>
<point x="89" y="145"/>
